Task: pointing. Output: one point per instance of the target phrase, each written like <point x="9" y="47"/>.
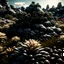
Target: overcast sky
<point x="43" y="3"/>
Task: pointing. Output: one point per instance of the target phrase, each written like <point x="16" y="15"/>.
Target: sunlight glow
<point x="49" y="2"/>
<point x="53" y="2"/>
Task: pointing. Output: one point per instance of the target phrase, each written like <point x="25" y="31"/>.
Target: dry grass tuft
<point x="49" y="42"/>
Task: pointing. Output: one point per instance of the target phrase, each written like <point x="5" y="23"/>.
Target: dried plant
<point x="49" y="42"/>
<point x="29" y="53"/>
<point x="32" y="43"/>
<point x="2" y="35"/>
<point x="15" y="38"/>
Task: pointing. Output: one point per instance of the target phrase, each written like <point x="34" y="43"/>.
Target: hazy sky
<point x="43" y="3"/>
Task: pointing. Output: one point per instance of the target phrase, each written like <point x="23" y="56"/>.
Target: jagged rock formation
<point x="3" y="2"/>
<point x="5" y="8"/>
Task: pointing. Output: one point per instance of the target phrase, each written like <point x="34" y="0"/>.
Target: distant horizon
<point x="25" y="3"/>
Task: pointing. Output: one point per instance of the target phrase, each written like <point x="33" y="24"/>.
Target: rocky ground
<point x="31" y="36"/>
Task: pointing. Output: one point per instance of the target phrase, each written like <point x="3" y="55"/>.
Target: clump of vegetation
<point x="31" y="52"/>
<point x="31" y="36"/>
